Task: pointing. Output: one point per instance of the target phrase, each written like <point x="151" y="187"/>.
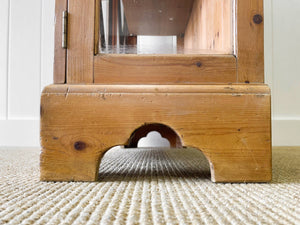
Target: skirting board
<point x="25" y="133"/>
<point x="286" y="131"/>
<point x="20" y="133"/>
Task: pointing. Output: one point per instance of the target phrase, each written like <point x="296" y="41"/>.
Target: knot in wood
<point x="79" y="145"/>
<point x="198" y="64"/>
<point x="257" y="19"/>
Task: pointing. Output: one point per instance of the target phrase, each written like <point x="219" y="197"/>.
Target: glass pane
<point x="165" y="26"/>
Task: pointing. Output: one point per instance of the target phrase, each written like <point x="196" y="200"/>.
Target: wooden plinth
<point x="230" y="124"/>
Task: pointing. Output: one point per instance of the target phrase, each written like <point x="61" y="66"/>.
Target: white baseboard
<point x="286" y="132"/>
<point x="20" y="133"/>
<point x="25" y="133"/>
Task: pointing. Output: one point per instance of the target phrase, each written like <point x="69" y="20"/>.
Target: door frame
<point x="78" y="64"/>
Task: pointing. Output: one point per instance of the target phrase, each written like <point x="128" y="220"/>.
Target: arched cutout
<point x="153" y="139"/>
<point x="118" y="163"/>
<point x="165" y="131"/>
<point x="203" y="169"/>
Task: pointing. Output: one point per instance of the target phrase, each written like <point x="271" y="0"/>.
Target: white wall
<point x="26" y="58"/>
<point x="282" y="45"/>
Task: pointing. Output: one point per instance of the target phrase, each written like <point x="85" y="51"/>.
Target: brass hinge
<point x="64" y="43"/>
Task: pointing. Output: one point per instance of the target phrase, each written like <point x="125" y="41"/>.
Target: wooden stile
<point x="80" y="57"/>
<point x="250" y="41"/>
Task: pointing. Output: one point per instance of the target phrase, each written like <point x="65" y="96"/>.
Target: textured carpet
<point x="147" y="186"/>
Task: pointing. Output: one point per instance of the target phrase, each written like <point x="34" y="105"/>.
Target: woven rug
<point x="148" y="186"/>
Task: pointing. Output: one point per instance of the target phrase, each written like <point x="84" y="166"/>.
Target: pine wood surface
<point x="210" y="26"/>
<point x="80" y="57"/>
<point x="168" y="69"/>
<point x="247" y="30"/>
<point x="229" y="124"/>
<point x="250" y="41"/>
<point x="152" y="89"/>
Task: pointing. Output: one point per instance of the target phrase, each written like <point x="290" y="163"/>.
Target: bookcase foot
<point x="230" y="124"/>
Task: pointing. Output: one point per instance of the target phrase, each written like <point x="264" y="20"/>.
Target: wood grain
<point x="213" y="30"/>
<point x="210" y="26"/>
<point x="152" y="89"/>
<point x="166" y="69"/>
<point x="80" y="41"/>
<point x="250" y="41"/>
<point x="230" y="125"/>
<point x="156" y="17"/>
<point x="60" y="54"/>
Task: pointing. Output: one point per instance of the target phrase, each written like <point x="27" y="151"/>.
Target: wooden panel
<point x="250" y="41"/>
<point x="60" y="54"/>
<point x="149" y="69"/>
<point x="4" y="34"/>
<point x="24" y="59"/>
<point x="231" y="126"/>
<point x="80" y="41"/>
<point x="210" y="26"/>
<point x="157" y="17"/>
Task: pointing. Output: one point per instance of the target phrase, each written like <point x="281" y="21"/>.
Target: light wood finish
<point x="210" y="26"/>
<point x="59" y="69"/>
<point x="229" y="124"/>
<point x="250" y="41"/>
<point x="217" y="39"/>
<point x="80" y="41"/>
<point x="157" y="17"/>
<point x="151" y="69"/>
<point x="180" y="42"/>
<point x="152" y="89"/>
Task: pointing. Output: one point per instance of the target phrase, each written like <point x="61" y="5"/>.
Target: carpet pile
<point x="148" y="186"/>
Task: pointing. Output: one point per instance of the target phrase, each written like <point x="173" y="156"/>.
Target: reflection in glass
<point x="164" y="26"/>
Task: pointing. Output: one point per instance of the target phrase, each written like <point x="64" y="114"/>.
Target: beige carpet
<point x="147" y="186"/>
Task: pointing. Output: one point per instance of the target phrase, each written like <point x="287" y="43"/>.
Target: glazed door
<point x="164" y="41"/>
